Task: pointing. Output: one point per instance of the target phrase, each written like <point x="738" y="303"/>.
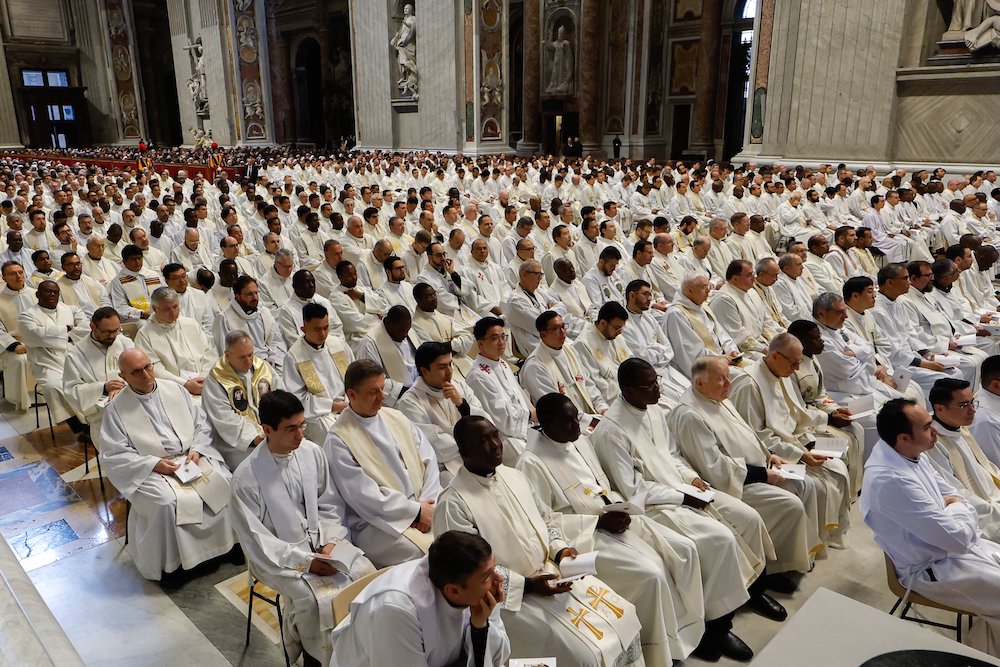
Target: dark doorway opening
<point x="308" y="94"/>
<point x="739" y="78"/>
<point x="156" y="72"/>
<point x="557" y="128"/>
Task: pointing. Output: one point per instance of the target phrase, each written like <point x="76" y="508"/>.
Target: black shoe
<point x="235" y="556"/>
<point x="734" y="648"/>
<point x="768" y="607"/>
<point x="779" y="583"/>
<point x="708" y="650"/>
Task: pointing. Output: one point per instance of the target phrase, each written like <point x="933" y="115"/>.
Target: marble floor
<point x="66" y="529"/>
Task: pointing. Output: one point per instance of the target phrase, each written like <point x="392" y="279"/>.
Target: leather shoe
<point x="709" y="650"/>
<point x="735" y="648"/>
<point x="779" y="583"/>
<point x="768" y="607"/>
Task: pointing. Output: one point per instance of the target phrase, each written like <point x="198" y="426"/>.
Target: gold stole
<point x="392" y="360"/>
<point x="543" y="355"/>
<point x="581" y="499"/>
<point x="137" y="289"/>
<point x="961" y="470"/>
<point x="372" y="461"/>
<point x="314" y="384"/>
<point x="261" y="375"/>
<point x="701" y="330"/>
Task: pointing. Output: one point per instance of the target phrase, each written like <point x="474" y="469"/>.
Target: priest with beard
<point x="601" y="349"/>
<point x="244" y="314"/>
<point x="314" y="371"/>
<point x="150" y="429"/>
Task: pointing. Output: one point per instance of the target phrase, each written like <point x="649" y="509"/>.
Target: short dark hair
<point x="171" y="268"/>
<point x="856" y="285"/>
<point x="130" y="251"/>
<point x="67" y="255"/>
<point x="103" y="313"/>
<point x="944" y="389"/>
<point x="889" y="272"/>
<point x="736" y="267"/>
<point x="612" y="310"/>
<point x="455" y="556"/>
<point x="430" y="352"/>
<point x="314" y="311"/>
<point x="892" y="422"/>
<point x="635" y="286"/>
<point x="277" y="405"/>
<point x="359" y="371"/>
<point x="609" y="254"/>
<point x="990" y="370"/>
<point x="241" y="282"/>
<point x="800" y="328"/>
<point x="543" y="320"/>
<point x="480" y="328"/>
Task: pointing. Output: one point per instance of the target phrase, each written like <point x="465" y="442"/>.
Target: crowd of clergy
<point x="464" y="375"/>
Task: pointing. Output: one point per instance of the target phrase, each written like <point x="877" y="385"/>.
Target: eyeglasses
<point x="792" y="362"/>
<point x="965" y="405"/>
<point x="496" y="337"/>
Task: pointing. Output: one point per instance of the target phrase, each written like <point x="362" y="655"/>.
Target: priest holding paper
<point x="726" y="451"/>
<point x="651" y="565"/>
<point x="583" y="622"/>
<point x="290" y="521"/>
<point x="444" y="611"/>
<point x="151" y="432"/>
<point x="385" y="469"/>
<point x="767" y="398"/>
<point x="314" y="371"/>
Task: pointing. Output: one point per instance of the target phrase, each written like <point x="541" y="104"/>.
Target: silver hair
<point x="764" y="263"/>
<point x="282" y="253"/>
<point x="704" y="363"/>
<point x="786" y="260"/>
<point x="783" y="341"/>
<point x="528" y="266"/>
<point x="689" y="278"/>
<point x="163" y="295"/>
<point x="826" y="301"/>
<point x="235" y="336"/>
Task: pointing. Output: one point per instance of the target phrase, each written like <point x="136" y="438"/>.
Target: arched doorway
<point x="308" y="86"/>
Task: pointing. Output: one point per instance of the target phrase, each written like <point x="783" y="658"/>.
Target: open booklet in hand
<point x="831" y="448"/>
<point x="188" y="472"/>
<point x="635" y="506"/>
<point x="579" y="567"/>
<point x="342" y="557"/>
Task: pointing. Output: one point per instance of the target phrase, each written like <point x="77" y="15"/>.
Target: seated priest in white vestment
<point x="436" y="401"/>
<point x="231" y="396"/>
<point x="925" y="526"/>
<point x="289" y="314"/>
<point x="822" y="271"/>
<point x="729" y="455"/>
<point x="637" y="452"/>
<point x="526" y="302"/>
<point x="936" y="333"/>
<point x="651" y="565"/>
<point x="392" y="344"/>
<point x="767" y="398"/>
<point x="90" y="372"/>
<point x="195" y="304"/>
<point x="176" y="345"/>
<point x="602" y="281"/>
<point x="455" y="295"/>
<point x="96" y="265"/>
<point x="396" y="290"/>
<point x="275" y="284"/>
<point x="963" y="316"/>
<point x="495" y="384"/>
<point x="442" y="610"/>
<point x="740" y="311"/>
<point x="792" y="289"/>
<point x="583" y="622"/>
<point x="958" y="457"/>
<point x="150" y="431"/>
<point x="15" y="296"/>
<point x="49" y="329"/>
<point x="76" y="289"/>
<point x="580" y="310"/>
<point x="245" y="314"/>
<point x="692" y="328"/>
<point x="808" y="381"/>
<point x="385" y="470"/>
<point x="289" y="518"/>
<point x="986" y="427"/>
<point x="907" y="347"/>
<point x="358" y="307"/>
<point x="430" y="324"/>
<point x="132" y="286"/>
<point x="554" y="366"/>
<point x="314" y="371"/>
<point x="601" y="348"/>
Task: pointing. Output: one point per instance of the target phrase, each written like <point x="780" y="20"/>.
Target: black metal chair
<point x="276" y="601"/>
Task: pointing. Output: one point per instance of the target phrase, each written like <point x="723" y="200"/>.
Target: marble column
<point x="277" y="49"/>
<point x="590" y="75"/>
<point x="532" y="118"/>
<point x="9" y="135"/>
<point x="706" y="84"/>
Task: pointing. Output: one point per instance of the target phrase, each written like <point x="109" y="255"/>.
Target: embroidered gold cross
<point x="579" y="617"/>
<point x="599" y="599"/>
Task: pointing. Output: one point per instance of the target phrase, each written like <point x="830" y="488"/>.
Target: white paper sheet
<point x="833" y="448"/>
<point x="572" y="569"/>
<point x="793" y="471"/>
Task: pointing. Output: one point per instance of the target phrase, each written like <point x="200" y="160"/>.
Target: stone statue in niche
<point x="196" y="83"/>
<point x="561" y="71"/>
<point x="405" y="43"/>
<point x="987" y="32"/>
<point x="965" y="15"/>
